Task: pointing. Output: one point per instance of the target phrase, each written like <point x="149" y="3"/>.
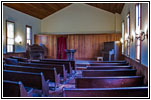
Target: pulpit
<point x="70" y="53"/>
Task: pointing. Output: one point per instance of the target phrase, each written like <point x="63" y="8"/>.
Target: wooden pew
<point x="62" y="60"/>
<point x="100" y="73"/>
<point x="108" y="82"/>
<point x="108" y="67"/>
<point x="107" y="64"/>
<point x="49" y="73"/>
<point x="106" y="92"/>
<point x="15" y="89"/>
<point x="32" y="80"/>
<point x="66" y="64"/>
<point x="59" y="68"/>
<point x="20" y="59"/>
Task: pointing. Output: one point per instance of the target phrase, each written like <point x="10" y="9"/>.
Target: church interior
<point x="61" y="50"/>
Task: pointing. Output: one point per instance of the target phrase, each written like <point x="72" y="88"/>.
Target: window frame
<point x="28" y="26"/>
<point x="123" y="37"/>
<point x="138" y="60"/>
<point x="7" y="37"/>
<point x="128" y="32"/>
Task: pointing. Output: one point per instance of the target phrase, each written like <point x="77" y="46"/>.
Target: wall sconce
<point x="130" y="38"/>
<point x="142" y="35"/>
<point x="121" y="40"/>
<point x="18" y="39"/>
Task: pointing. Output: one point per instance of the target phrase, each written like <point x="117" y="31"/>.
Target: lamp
<point x="130" y="38"/>
<point x="142" y="35"/>
<point x="121" y="40"/>
<point x="18" y="39"/>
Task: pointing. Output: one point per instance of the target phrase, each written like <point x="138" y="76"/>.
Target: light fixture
<point x="141" y="35"/>
<point x="121" y="40"/>
<point x="18" y="39"/>
<point x="130" y="38"/>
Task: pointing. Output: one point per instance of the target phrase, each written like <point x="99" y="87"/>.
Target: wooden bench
<point x="49" y="73"/>
<point x="20" y="59"/>
<point x="59" y="68"/>
<point x="106" y="92"/>
<point x="107" y="64"/>
<point x="32" y="80"/>
<point x="62" y="60"/>
<point x="100" y="73"/>
<point x="15" y="89"/>
<point x="108" y="82"/>
<point x="107" y="67"/>
<point x="66" y="64"/>
<point x="107" y="61"/>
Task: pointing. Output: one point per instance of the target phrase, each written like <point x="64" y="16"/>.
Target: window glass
<point x="10" y="36"/>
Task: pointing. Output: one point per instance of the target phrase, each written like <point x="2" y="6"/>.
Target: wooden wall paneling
<point x="88" y="46"/>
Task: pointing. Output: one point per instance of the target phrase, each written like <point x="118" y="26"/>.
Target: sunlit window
<point x="138" y="27"/>
<point x="10" y="29"/>
<point x="28" y="35"/>
<point x="128" y="32"/>
<point x="123" y="38"/>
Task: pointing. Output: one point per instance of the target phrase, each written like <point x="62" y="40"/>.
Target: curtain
<point x="61" y="43"/>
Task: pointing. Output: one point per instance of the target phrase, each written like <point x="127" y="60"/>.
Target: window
<point x="123" y="38"/>
<point x="128" y="33"/>
<point x="10" y="34"/>
<point x="28" y="35"/>
<point x="138" y="28"/>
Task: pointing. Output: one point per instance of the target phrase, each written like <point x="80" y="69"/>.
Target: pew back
<point x="108" y="82"/>
<point x="108" y="67"/>
<point x="108" y="64"/>
<point x="59" y="68"/>
<point x="49" y="73"/>
<point x="33" y="80"/>
<point x="100" y="73"/>
<point x="66" y="64"/>
<point x="15" y="89"/>
<point x="106" y="92"/>
<point x="61" y="60"/>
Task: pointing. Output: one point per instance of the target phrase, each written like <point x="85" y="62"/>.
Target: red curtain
<point x="61" y="43"/>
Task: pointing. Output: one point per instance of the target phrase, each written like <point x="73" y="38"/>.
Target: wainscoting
<point x="88" y="46"/>
<point x="141" y="69"/>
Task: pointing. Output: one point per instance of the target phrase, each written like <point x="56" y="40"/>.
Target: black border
<point x="76" y="2"/>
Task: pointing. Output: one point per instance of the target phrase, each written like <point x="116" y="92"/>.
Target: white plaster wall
<point x="118" y="25"/>
<point x="21" y="20"/>
<point x="130" y="7"/>
<point x="81" y="18"/>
